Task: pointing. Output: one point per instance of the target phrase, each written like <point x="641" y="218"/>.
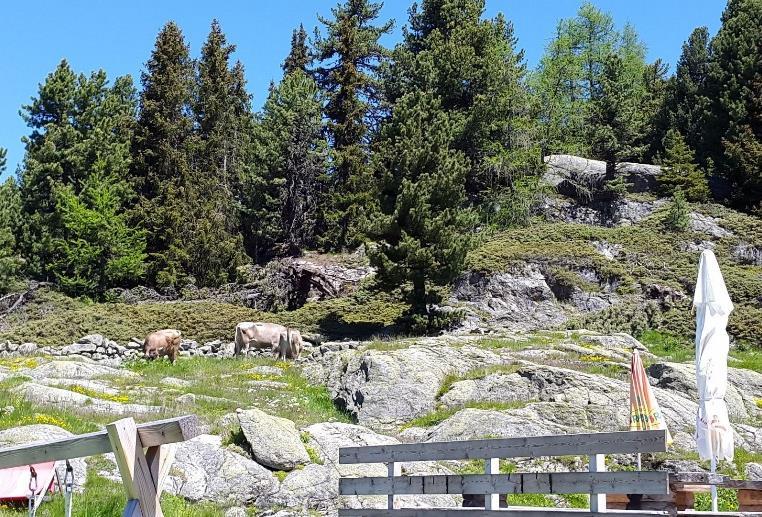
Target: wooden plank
<point x="597" y="463"/>
<point x="133" y="467"/>
<point x="519" y="483"/>
<point x="151" y="434"/>
<point x="392" y="470"/>
<point x="132" y="509"/>
<point x="750" y="500"/>
<point x="466" y="512"/>
<point x="557" y="445"/>
<point x="160" y="460"/>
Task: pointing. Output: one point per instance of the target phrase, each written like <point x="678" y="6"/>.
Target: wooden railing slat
<point x="152" y="434"/>
<point x="518" y="483"/>
<point x="462" y="512"/>
<point x="626" y="442"/>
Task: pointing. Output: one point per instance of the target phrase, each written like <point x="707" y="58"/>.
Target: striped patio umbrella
<point x="645" y="414"/>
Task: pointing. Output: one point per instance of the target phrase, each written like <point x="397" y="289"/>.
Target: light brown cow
<point x="164" y="342"/>
<point x="290" y="344"/>
<point x="258" y="335"/>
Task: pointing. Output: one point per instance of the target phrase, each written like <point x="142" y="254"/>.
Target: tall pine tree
<point x="735" y="77"/>
<point x="680" y="171"/>
<point x="220" y="148"/>
<point x="348" y="56"/>
<point x="161" y="168"/>
<point x="421" y="227"/>
<point x="10" y="217"/>
<point x="80" y="139"/>
<point x="474" y="68"/>
<point x="299" y="57"/>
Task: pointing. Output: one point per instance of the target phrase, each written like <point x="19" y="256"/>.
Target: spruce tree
<point x="10" y="215"/>
<point x="220" y="147"/>
<point x="735" y="77"/>
<point x="617" y="124"/>
<point x="292" y="159"/>
<point x="299" y="57"/>
<point x="161" y="168"/>
<point x="654" y="105"/>
<point x="81" y="132"/>
<point x="688" y="102"/>
<point x="474" y="67"/>
<point x="680" y="171"/>
<point x="421" y="228"/>
<point x="348" y="56"/>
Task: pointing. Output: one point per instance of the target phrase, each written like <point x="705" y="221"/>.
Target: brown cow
<point x="162" y="343"/>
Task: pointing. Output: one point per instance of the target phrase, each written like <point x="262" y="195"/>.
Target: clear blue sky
<point x="118" y="36"/>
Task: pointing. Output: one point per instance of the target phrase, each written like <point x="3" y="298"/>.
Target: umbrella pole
<point x="714" y="487"/>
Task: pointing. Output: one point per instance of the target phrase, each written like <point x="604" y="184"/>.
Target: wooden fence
<point x="494" y="486"/>
<point x="144" y="454"/>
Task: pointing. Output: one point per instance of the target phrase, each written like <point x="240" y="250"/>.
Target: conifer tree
<point x="348" y="56"/>
<point x="688" y="104"/>
<point x="299" y="57"/>
<point x="617" y="124"/>
<point x="654" y="105"/>
<point x="735" y="78"/>
<point x="220" y="146"/>
<point x="292" y="156"/>
<point x="421" y="227"/>
<point x="476" y="70"/>
<point x="10" y="215"/>
<point x="680" y="171"/>
<point x="81" y="132"/>
<point x="161" y="168"/>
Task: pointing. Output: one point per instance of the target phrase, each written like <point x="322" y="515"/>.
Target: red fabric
<point x="14" y="482"/>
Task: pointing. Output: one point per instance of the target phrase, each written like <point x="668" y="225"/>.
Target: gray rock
<point x="70" y="401"/>
<point x="44" y="433"/>
<point x="608" y="250"/>
<point x="94" y="339"/>
<point x="274" y="441"/>
<point x="205" y="471"/>
<point x="561" y="168"/>
<point x="753" y="471"/>
<point x="27" y="348"/>
<point x="516" y="301"/>
<point x="748" y="254"/>
<point x="188" y="399"/>
<point x="709" y="225"/>
<point x="236" y="511"/>
<point x="79" y="348"/>
<point x="175" y="382"/>
<point x="266" y="370"/>
<point x="78" y="370"/>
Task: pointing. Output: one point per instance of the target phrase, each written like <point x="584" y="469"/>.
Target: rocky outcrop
<point x="205" y="471"/>
<point x="562" y="168"/>
<point x="707" y="225"/>
<point x="626" y="212"/>
<point x="274" y="441"/>
<point x="66" y="400"/>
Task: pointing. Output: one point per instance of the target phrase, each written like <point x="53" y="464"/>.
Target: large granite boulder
<point x="561" y="168"/>
<point x="66" y="400"/>
<point x="205" y="471"/>
<point x="78" y="370"/>
<point x="274" y="441"/>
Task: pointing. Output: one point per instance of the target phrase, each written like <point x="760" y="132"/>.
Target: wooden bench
<point x="144" y="454"/>
<point x="494" y="486"/>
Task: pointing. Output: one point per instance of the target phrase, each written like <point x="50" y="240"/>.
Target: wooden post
<point x="160" y="458"/>
<point x="597" y="463"/>
<point x="492" y="501"/>
<point x="134" y="469"/>
<point x="393" y="469"/>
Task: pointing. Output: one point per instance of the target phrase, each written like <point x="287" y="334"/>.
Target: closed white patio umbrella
<point x="714" y="435"/>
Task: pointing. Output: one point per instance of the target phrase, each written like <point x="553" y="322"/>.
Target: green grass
<point x="104" y="498"/>
<point x="537" y="500"/>
<point x="440" y="415"/>
<point x="232" y="387"/>
<point x="516" y="345"/>
<point x="727" y="501"/>
<point x="677" y="349"/>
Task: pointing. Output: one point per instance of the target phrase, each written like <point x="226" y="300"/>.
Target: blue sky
<point x="118" y="36"/>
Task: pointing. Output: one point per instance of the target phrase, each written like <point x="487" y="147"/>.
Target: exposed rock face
<point x="560" y="168"/>
<point x="274" y="441"/>
<point x="384" y="389"/>
<point x="707" y="225"/>
<point x="205" y="471"/>
<point x="43" y="433"/>
<point x="71" y="401"/>
<point x="77" y="370"/>
<point x="521" y="300"/>
<point x="625" y="213"/>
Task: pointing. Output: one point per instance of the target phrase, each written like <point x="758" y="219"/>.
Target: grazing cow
<point x="257" y="335"/>
<point x="162" y="343"/>
<point x="290" y="344"/>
